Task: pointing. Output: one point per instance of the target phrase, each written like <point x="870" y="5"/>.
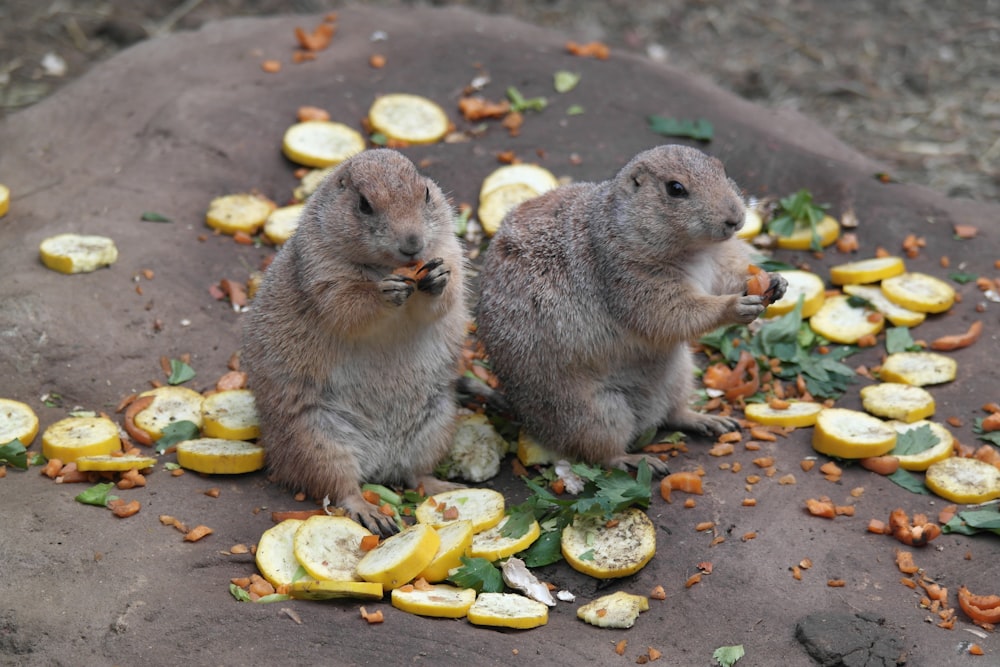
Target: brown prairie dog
<point x="591" y="294"/>
<point x="352" y="363"/>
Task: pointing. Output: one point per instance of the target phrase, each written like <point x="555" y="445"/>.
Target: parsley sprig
<point x="797" y="211"/>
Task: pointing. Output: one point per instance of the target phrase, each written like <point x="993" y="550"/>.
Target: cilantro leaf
<point x="727" y="656"/>
<point x="519" y="520"/>
<point x="519" y="103"/>
<point x="962" y="277"/>
<point x="971" y="522"/>
<point x="564" y="81"/>
<point x="238" y="593"/>
<point x="795" y="212"/>
<point x="178" y="431"/>
<point x="908" y="481"/>
<point x="477" y="573"/>
<point x="898" y="339"/>
<point x="547" y="549"/>
<point x="150" y="216"/>
<point x="914" y="441"/>
<point x="14" y="453"/>
<point x="992" y="437"/>
<point x="699" y="129"/>
<point x="97" y="495"/>
<point x="179" y="372"/>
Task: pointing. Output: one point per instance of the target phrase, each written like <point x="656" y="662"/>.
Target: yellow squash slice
<point x="536" y="177"/>
<point x="17" y="421"/>
<point x="530" y="453"/>
<point x="920" y="292"/>
<point x="493" y="546"/>
<point x="483" y="507"/>
<point x="410" y="118"/>
<point x="828" y="230"/>
<point x="334" y="590"/>
<point x="507" y="610"/>
<point x="310" y="182"/>
<point x="242" y="212"/>
<point x="840" y="322"/>
<point x="897" y="400"/>
<point x="4" y="199"/>
<point x="231" y="415"/>
<point x="69" y="439"/>
<point x="796" y="415"/>
<point x="218" y="456"/>
<point x="77" y="253"/>
<point x="753" y="224"/>
<point x="170" y="404"/>
<point x="109" y="463"/>
<point x="608" y="550"/>
<point x="802" y="284"/>
<point x="400" y="558"/>
<point x="276" y="555"/>
<point x="282" y="223"/>
<point x="867" y="270"/>
<point x="965" y="481"/>
<point x="918" y="368"/>
<point x="321" y="143"/>
<point x="495" y="205"/>
<point x="899" y="316"/>
<point x="329" y="547"/>
<point x="456" y="540"/>
<point x="438" y="600"/>
<point x="851" y="434"/>
<point x="944" y="448"/>
<point x="618" y="610"/>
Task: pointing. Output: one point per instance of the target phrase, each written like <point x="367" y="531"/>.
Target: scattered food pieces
<point x="590" y="546"/>
<point x="411" y="119"/>
<point x="618" y="610"/>
<point x="218" y="456"/>
<point x="77" y="253"/>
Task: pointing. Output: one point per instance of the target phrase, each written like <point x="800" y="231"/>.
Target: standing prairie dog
<point x="351" y="358"/>
<point x="592" y="293"/>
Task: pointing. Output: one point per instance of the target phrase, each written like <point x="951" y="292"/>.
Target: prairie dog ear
<point x="638" y="176"/>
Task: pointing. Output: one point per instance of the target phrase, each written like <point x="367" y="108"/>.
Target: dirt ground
<point x="911" y="84"/>
<point x="175" y="121"/>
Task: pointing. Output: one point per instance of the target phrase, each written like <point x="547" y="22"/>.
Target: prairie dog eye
<point x="675" y="189"/>
<point x="365" y="206"/>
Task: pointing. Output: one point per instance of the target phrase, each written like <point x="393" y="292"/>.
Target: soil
<point x="910" y="84"/>
<point x="172" y="122"/>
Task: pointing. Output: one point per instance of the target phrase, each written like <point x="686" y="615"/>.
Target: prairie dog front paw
<point x="433" y="276"/>
<point x="747" y="308"/>
<point x="396" y="289"/>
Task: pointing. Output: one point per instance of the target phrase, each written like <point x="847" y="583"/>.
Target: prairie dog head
<point x="676" y="198"/>
<point x="376" y="209"/>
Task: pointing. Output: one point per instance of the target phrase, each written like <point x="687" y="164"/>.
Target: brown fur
<point x="591" y="294"/>
<point x="352" y="365"/>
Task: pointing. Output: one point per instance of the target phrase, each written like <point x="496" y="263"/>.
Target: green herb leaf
<point x="477" y="573"/>
<point x="519" y="520"/>
<point x="898" y="339"/>
<point x="14" y="453"/>
<point x="699" y="129"/>
<point x="574" y="110"/>
<point x="727" y="656"/>
<point x="909" y="482"/>
<point x="180" y="372"/>
<point x="564" y="81"/>
<point x="273" y="597"/>
<point x="547" y="549"/>
<point x="992" y="437"/>
<point x="798" y="211"/>
<point x="915" y="441"/>
<point x="150" y="216"/>
<point x="97" y="495"/>
<point x="587" y="555"/>
<point x="962" y="278"/>
<point x="519" y="103"/>
<point x="971" y="522"/>
<point x="238" y="593"/>
<point x="178" y="431"/>
<point x="378" y="139"/>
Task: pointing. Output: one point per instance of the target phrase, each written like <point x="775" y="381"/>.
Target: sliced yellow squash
<point x="802" y="284"/>
<point x="495" y="205"/>
<point x="530" y="453"/>
<point x="828" y="230"/>
<point x="851" y="434"/>
<point x="753" y="224"/>
<point x="329" y="547"/>
<point x="321" y="143"/>
<point x="536" y="177"/>
<point x="507" y="610"/>
<point x="230" y="414"/>
<point x="456" y="540"/>
<point x="326" y="589"/>
<point x="77" y="253"/>
<point x="920" y="292"/>
<point x="493" y="546"/>
<point x="170" y="404"/>
<point x="4" y="199"/>
<point x="309" y="183"/>
<point x="899" y="316"/>
<point x="69" y="439"/>
<point x="282" y="223"/>
<point x="944" y="448"/>
<point x="865" y="271"/>
<point x="796" y="415"/>
<point x="609" y="549"/>
<point x="897" y="400"/>
<point x="918" y="368"/>
<point x="109" y="463"/>
<point x="276" y="555"/>
<point x="218" y="456"/>
<point x="242" y="212"/>
<point x="840" y="322"/>
<point x="962" y="480"/>
<point x="483" y="507"/>
<point x="400" y="558"/>
<point x="17" y="421"/>
<point x="618" y="610"/>
<point x="410" y="118"/>
<point x="438" y="600"/>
